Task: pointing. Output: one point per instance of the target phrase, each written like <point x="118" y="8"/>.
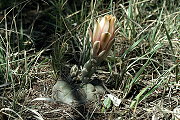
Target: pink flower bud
<point x="102" y="37"/>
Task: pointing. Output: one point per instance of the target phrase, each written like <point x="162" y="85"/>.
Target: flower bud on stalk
<point x="102" y="39"/>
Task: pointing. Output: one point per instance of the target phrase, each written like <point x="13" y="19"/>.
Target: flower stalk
<point x="102" y="39"/>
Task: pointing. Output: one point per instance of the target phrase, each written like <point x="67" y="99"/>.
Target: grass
<point x="142" y="70"/>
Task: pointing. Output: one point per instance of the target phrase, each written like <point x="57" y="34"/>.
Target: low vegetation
<point x="40" y="41"/>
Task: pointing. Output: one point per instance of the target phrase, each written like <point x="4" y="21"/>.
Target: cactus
<point x="102" y="39"/>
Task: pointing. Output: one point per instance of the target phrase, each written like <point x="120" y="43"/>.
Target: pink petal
<point x="96" y="47"/>
<point x="106" y="52"/>
<point x="96" y="32"/>
<point x="110" y="44"/>
<point x="111" y="25"/>
<point x="105" y="37"/>
<point x="104" y="23"/>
